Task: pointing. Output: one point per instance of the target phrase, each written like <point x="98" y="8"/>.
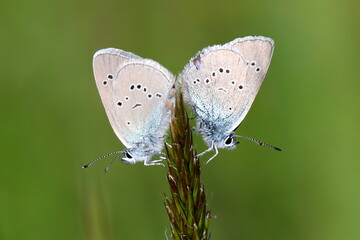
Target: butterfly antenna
<point x="100" y="158"/>
<point x="258" y="142"/>
<point x="111" y="162"/>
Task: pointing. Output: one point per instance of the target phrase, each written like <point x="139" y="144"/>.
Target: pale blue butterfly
<point x="135" y="93"/>
<point x="220" y="84"/>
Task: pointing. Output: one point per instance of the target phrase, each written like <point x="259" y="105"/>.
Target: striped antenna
<point x="259" y="142"/>
<point x="100" y="158"/>
<point x="111" y="162"/>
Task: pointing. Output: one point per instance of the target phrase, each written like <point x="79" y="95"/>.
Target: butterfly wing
<point x="257" y="52"/>
<point x="221" y="82"/>
<point x="134" y="97"/>
<point x="105" y="64"/>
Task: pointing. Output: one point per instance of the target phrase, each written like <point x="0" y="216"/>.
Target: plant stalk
<point x="186" y="205"/>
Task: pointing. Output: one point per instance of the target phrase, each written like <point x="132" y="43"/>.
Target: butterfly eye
<point x="128" y="155"/>
<point x="229" y="140"/>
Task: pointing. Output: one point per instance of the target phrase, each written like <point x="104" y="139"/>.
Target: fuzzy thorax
<point x="143" y="151"/>
<point x="215" y="135"/>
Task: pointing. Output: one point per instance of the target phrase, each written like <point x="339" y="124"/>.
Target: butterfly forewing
<point x="258" y="49"/>
<point x="105" y="64"/>
<point x="257" y="52"/>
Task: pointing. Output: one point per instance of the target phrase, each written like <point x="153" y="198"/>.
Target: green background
<point x="52" y="120"/>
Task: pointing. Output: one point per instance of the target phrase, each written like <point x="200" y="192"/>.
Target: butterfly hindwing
<point x="140" y="90"/>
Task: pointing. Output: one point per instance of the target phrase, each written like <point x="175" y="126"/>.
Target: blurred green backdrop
<point x="52" y="120"/>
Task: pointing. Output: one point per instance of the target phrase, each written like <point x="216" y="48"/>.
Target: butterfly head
<point x="227" y="141"/>
<point x="132" y="157"/>
<point x="214" y="134"/>
<point x="223" y="140"/>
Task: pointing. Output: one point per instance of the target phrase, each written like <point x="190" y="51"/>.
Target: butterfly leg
<point x="163" y="154"/>
<point x="154" y="162"/>
<point x="155" y="152"/>
<point x="157" y="161"/>
<point x="216" y="153"/>
<point x="207" y="150"/>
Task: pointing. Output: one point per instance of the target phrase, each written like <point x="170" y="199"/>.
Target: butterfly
<point x="136" y="93"/>
<point x="220" y="84"/>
